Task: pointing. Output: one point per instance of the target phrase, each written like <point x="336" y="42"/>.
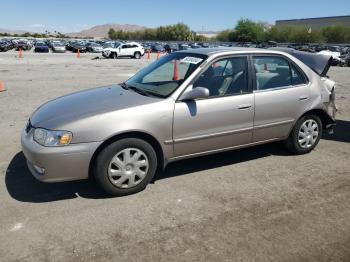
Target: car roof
<point x="218" y="50"/>
<point x="318" y="63"/>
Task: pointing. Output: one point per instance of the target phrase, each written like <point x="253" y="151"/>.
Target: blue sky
<point x="75" y="15"/>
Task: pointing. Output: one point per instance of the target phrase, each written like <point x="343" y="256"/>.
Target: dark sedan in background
<point x="80" y="46"/>
<point x="5" y="46"/>
<point x="41" y="47"/>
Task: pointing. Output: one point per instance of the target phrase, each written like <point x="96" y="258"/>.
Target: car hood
<point x="92" y="102"/>
<point x="319" y="63"/>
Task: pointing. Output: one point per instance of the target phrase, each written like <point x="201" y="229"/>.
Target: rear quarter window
<point x="298" y="78"/>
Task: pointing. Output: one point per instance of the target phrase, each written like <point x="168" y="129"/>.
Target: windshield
<point x="164" y="76"/>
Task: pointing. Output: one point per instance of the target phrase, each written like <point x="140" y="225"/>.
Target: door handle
<point x="245" y="106"/>
<point x="302" y="98"/>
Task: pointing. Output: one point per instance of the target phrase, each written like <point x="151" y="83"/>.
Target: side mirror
<point x="195" y="93"/>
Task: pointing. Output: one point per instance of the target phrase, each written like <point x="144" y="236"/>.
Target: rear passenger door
<point x="133" y="49"/>
<point x="281" y="96"/>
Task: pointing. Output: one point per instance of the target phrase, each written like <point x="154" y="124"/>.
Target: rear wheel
<point x="125" y="166"/>
<point x="305" y="135"/>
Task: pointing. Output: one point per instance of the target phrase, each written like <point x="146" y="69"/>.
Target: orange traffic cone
<point x="2" y="87"/>
<point x="176" y="76"/>
<point x="78" y="53"/>
<point x="148" y="55"/>
<point x="158" y="55"/>
<point x="20" y="53"/>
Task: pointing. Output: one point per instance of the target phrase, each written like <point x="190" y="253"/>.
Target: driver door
<point x="123" y="50"/>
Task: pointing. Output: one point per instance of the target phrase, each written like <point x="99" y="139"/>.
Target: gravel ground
<point x="256" y="204"/>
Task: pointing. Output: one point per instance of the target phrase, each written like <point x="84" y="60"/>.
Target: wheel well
<point x="325" y="118"/>
<point x="144" y="136"/>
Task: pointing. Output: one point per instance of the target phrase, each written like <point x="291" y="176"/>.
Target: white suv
<point x="131" y="49"/>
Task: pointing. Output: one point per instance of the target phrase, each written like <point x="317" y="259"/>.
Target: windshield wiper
<point x="135" y="89"/>
<point x="140" y="91"/>
<point x="124" y="85"/>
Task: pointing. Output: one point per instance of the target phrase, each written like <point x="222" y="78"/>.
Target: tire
<point x="137" y="55"/>
<point x="119" y="177"/>
<point x="114" y="55"/>
<point x="303" y="138"/>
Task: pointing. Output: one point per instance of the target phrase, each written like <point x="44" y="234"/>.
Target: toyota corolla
<point x="186" y="104"/>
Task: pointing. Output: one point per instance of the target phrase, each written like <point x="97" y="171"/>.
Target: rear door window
<point x="271" y="72"/>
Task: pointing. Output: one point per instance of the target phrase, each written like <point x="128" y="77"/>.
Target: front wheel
<point x="137" y="55"/>
<point x="125" y="166"/>
<point x="305" y="135"/>
<point x="114" y="55"/>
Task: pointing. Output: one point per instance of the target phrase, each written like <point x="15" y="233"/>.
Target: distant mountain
<point x="12" y="31"/>
<point x="102" y="30"/>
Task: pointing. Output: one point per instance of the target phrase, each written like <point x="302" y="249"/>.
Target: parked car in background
<point x="171" y="47"/>
<point x="41" y="47"/>
<point x="58" y="47"/>
<point x="334" y="54"/>
<point x="78" y="46"/>
<point x="5" y="45"/>
<point x="69" y="45"/>
<point x="158" y="48"/>
<point x="219" y="99"/>
<point x="24" y="45"/>
<point x="94" y="47"/>
<point x="204" y="45"/>
<point x="128" y="49"/>
<point x="345" y="60"/>
<point x="147" y="48"/>
<point x="184" y="46"/>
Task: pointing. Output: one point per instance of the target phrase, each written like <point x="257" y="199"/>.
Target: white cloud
<point x="36" y="25"/>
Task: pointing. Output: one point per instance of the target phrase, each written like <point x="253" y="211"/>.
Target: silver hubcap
<point x="308" y="133"/>
<point x="128" y="168"/>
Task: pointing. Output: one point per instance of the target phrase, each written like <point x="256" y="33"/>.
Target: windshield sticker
<point x="191" y="60"/>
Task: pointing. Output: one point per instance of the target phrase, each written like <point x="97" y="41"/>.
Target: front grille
<point x="28" y="126"/>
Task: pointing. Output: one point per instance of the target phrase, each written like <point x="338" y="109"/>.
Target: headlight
<point x="52" y="138"/>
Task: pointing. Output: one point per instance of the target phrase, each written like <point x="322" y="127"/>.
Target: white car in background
<point x="129" y="49"/>
<point x="334" y="54"/>
<point x="58" y="47"/>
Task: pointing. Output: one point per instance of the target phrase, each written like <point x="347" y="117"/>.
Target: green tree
<point x="336" y="34"/>
<point x="111" y="33"/>
<point x="226" y="36"/>
<point x="248" y="31"/>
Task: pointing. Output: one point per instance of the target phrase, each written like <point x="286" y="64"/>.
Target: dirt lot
<point x="257" y="204"/>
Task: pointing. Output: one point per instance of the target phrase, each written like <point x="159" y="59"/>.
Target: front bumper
<point x="56" y="164"/>
<point x="59" y="50"/>
<point x="106" y="54"/>
<point x="41" y="50"/>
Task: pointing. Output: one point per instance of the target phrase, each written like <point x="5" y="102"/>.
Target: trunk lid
<point x="319" y="63"/>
